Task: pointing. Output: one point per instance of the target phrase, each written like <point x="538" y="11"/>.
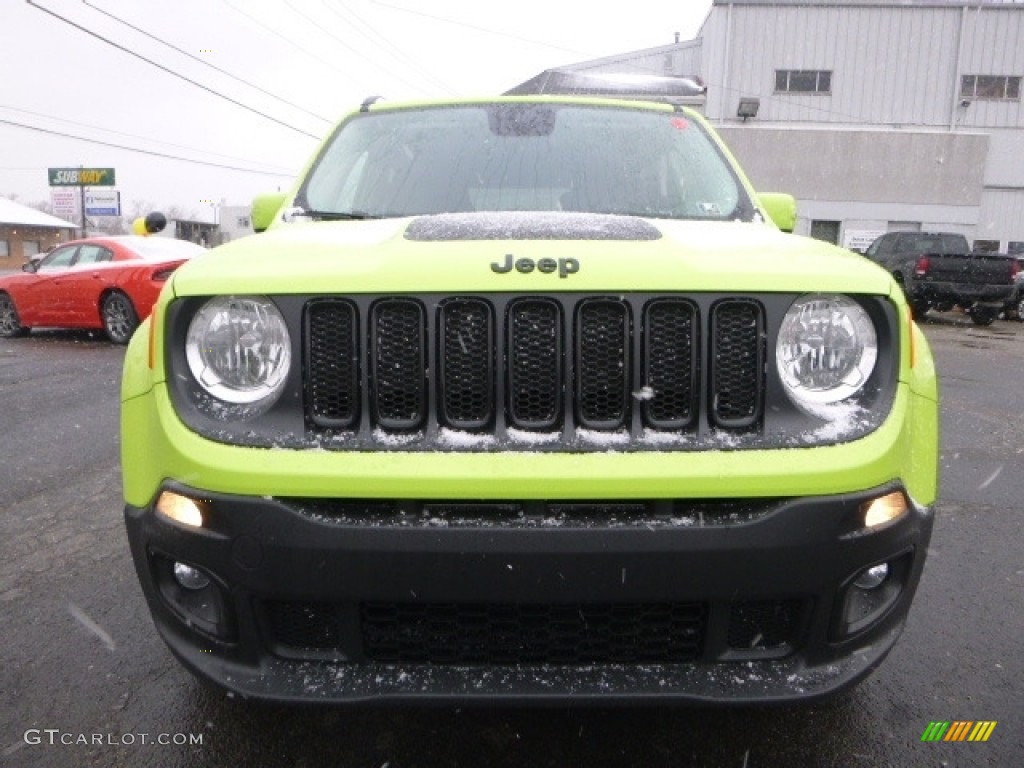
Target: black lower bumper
<point x="729" y="601"/>
<point x="963" y="294"/>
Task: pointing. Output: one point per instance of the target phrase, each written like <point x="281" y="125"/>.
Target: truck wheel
<point x="119" y="318"/>
<point x="10" y="323"/>
<point x="983" y="316"/>
<point x="920" y="308"/>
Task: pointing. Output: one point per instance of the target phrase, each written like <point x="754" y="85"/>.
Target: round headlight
<point x="239" y="351"/>
<point x="826" y="350"/>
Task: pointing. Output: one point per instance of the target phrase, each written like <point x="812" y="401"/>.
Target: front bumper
<point x="730" y="601"/>
<point x="961" y="293"/>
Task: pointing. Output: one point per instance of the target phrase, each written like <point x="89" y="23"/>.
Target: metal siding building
<point x="876" y="114"/>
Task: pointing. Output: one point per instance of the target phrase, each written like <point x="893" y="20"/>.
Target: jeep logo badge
<point x="564" y="267"/>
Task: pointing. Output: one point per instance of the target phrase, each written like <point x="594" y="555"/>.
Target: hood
<point x="527" y="252"/>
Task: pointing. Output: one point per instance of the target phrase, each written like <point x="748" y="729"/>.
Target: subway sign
<point x="81" y="177"/>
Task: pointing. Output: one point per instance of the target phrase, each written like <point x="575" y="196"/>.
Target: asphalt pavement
<point x="85" y="680"/>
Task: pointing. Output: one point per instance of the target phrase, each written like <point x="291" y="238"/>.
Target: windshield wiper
<point x="338" y="215"/>
<point x="299" y="213"/>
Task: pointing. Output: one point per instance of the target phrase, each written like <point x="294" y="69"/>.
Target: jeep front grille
<point x="565" y="365"/>
<point x="551" y="372"/>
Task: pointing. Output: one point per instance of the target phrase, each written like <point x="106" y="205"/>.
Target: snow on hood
<point x="530" y="225"/>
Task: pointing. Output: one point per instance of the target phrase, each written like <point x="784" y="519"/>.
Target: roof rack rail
<point x="566" y="82"/>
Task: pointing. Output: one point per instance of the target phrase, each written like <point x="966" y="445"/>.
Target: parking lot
<point x="86" y="680"/>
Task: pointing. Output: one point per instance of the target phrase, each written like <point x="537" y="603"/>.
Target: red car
<point x="98" y="282"/>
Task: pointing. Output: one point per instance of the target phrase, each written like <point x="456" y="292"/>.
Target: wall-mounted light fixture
<point x="748" y="107"/>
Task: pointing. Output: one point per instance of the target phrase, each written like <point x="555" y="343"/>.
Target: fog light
<point x="197" y="597"/>
<point x="189" y="577"/>
<point x="884" y="509"/>
<point x="180" y="508"/>
<point x="868" y="595"/>
<point x="873" y="577"/>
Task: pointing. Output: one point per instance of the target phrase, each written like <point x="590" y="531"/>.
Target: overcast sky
<point x="306" y="62"/>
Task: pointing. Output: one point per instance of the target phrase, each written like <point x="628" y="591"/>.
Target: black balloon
<point x="155" y="222"/>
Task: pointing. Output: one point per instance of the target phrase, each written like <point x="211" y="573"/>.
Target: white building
<point x="235" y="222"/>
<point x="875" y="114"/>
<point x="26" y="232"/>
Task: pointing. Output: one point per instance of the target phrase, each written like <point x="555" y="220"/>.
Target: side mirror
<point x="30" y="266"/>
<point x="265" y="208"/>
<point x="780" y="208"/>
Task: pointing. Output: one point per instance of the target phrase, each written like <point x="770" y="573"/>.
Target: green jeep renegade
<point x="529" y="399"/>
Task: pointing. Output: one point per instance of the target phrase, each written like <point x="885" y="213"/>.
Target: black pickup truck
<point x="938" y="270"/>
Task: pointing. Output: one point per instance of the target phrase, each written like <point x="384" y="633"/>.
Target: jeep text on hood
<point x="527" y="399"/>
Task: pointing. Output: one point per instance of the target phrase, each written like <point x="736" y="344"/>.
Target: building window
<point x="1015" y="248"/>
<point x="986" y="246"/>
<point x="803" y="81"/>
<point x="825" y="230"/>
<point x="5" y="249"/>
<point x="903" y="226"/>
<point x="990" y="87"/>
<point x="30" y="248"/>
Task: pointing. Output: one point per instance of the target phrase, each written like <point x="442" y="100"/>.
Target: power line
<point x="489" y="31"/>
<point x="204" y="62"/>
<point x="350" y="15"/>
<point x="345" y="44"/>
<point x="170" y="71"/>
<point x="165" y="155"/>
<point x="288" y="40"/>
<point x="136" y="136"/>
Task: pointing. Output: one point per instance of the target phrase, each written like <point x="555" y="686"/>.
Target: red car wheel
<point x="119" y="318"/>
<point x="10" y="323"/>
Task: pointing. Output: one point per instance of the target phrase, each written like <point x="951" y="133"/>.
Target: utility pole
<point x="81" y="197"/>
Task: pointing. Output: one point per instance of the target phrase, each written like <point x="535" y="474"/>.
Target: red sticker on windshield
<point x="680" y="123"/>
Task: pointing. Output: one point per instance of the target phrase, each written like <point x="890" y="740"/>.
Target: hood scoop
<point x="530" y="225"/>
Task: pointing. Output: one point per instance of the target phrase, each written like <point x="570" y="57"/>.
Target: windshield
<point x="524" y="157"/>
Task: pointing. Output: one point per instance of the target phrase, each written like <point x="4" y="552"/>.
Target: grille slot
<point x="671" y="368"/>
<point x="332" y="352"/>
<point x="602" y="363"/>
<point x="535" y="373"/>
<point x="441" y="633"/>
<point x="466" y="358"/>
<point x="398" y="364"/>
<point x="737" y="364"/>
